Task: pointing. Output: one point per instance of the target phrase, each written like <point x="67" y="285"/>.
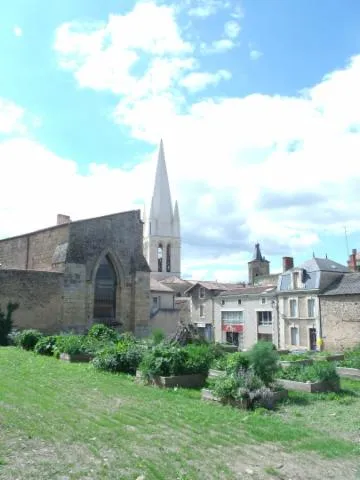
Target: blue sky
<point x="87" y="89"/>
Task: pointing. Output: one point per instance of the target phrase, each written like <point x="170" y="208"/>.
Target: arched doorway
<point x="105" y="293"/>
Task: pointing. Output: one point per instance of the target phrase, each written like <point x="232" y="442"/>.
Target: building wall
<point x="164" y="300"/>
<point x="166" y="320"/>
<point x="340" y="318"/>
<point x="39" y="295"/>
<point x="207" y="313"/>
<point x="151" y="244"/>
<point x="302" y="320"/>
<point x="33" y="251"/>
<point x="250" y="305"/>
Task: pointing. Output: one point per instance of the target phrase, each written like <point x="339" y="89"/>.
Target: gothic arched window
<point x="160" y="254"/>
<point x="105" y="292"/>
<point x="168" y="258"/>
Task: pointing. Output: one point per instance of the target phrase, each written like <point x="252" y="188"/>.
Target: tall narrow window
<point x="160" y="257"/>
<point x="105" y="293"/>
<point x="293" y="307"/>
<point x="294" y="336"/>
<point x="311" y="307"/>
<point x="168" y="258"/>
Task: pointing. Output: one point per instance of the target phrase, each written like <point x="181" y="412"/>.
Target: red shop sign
<point x="233" y="328"/>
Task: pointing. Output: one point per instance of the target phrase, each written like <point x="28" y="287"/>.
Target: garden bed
<point x="311" y="387"/>
<point x="353" y="373"/>
<point x="195" y="380"/>
<point x="213" y="373"/>
<point x="78" y="357"/>
<point x="336" y="357"/>
<point x="269" y="402"/>
<point x="291" y="363"/>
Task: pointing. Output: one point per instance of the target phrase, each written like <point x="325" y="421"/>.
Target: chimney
<point x="62" y="219"/>
<point x="288" y="263"/>
<point x="352" y="261"/>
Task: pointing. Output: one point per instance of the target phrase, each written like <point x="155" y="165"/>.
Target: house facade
<point x="340" y="313"/>
<point x="246" y="315"/>
<point x="300" y="324"/>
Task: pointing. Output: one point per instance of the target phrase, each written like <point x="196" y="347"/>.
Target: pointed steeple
<point x="161" y="213"/>
<point x="257" y="253"/>
<point x="176" y="221"/>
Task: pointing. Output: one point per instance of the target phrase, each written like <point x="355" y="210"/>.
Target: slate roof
<point x="156" y="286"/>
<point x="348" y="284"/>
<point x="265" y="289"/>
<point x="318" y="273"/>
<point x="212" y="285"/>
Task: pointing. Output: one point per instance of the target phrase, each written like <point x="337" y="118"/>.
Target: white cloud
<point x="206" y="8"/>
<point x="17" y="31"/>
<point x="255" y="54"/>
<point x="197" y="81"/>
<point x="218" y="46"/>
<point x="232" y="29"/>
<point x="11" y="117"/>
<point x="275" y="169"/>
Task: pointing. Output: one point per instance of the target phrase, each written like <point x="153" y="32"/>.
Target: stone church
<point x="76" y="273"/>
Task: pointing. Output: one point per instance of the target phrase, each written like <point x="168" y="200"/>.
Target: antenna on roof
<point x="346" y="240"/>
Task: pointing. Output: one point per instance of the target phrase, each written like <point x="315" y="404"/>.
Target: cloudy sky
<point x="258" y="103"/>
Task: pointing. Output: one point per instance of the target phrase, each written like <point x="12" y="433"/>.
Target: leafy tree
<point x="6" y="322"/>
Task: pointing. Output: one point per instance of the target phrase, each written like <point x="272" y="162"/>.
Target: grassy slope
<point x="59" y="419"/>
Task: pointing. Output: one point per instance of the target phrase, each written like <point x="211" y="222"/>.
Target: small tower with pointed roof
<point x="162" y="241"/>
<point x="258" y="266"/>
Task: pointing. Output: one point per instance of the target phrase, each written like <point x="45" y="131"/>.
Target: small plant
<point x="14" y="337"/>
<point x="264" y="361"/>
<point x="351" y="358"/>
<point x="157" y="336"/>
<point x="70" y="344"/>
<point x="103" y="333"/>
<point x="45" y="345"/>
<point x="120" y="358"/>
<point x="6" y="323"/>
<point x="237" y="361"/>
<point x="29" y="338"/>
<point x="199" y="358"/>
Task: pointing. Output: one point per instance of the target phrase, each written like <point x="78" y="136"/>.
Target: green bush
<point x="219" y="363"/>
<point x="45" y="345"/>
<point x="14" y="337"/>
<point x="6" y="322"/>
<point x="120" y="358"/>
<point x="157" y="336"/>
<point x="70" y="344"/>
<point x="317" y="372"/>
<point x="293" y="357"/>
<point x="264" y="361"/>
<point x="351" y="358"/>
<point x="168" y="360"/>
<point x="29" y="338"/>
<point x="236" y="362"/>
<point x="103" y="333"/>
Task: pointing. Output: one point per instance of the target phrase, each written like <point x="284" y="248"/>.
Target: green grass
<point x="70" y="420"/>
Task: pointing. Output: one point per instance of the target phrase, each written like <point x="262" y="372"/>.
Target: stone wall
<point x="39" y="295"/>
<point x="33" y="251"/>
<point x="340" y="317"/>
<point x="167" y="320"/>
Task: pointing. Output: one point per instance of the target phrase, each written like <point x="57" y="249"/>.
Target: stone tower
<point x="258" y="266"/>
<point x="162" y="242"/>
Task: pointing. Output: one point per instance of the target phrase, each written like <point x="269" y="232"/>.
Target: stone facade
<point x="75" y="251"/>
<point x="340" y="316"/>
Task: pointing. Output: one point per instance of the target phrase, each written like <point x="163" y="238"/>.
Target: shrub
<point x="157" y="336"/>
<point x="351" y="358"/>
<point x="264" y="361"/>
<point x="199" y="358"/>
<point x="219" y="363"/>
<point x="45" y="345"/>
<point x="70" y="344"/>
<point x="103" y="333"/>
<point x="127" y="337"/>
<point x="29" y="338"/>
<point x="14" y="337"/>
<point x="6" y="322"/>
<point x="237" y="361"/>
<point x="120" y="358"/>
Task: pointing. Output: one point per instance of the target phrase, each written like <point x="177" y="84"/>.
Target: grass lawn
<point x="67" y="421"/>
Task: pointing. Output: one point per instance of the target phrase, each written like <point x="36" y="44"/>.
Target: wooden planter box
<point x="79" y="357"/>
<point x="269" y="403"/>
<point x="215" y="373"/>
<point x="310" y="387"/>
<point x="291" y="363"/>
<point x="196" y="380"/>
<point x="336" y="357"/>
<point x="353" y="373"/>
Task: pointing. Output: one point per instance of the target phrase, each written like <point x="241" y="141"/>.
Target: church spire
<point x="176" y="220"/>
<point x="161" y="212"/>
